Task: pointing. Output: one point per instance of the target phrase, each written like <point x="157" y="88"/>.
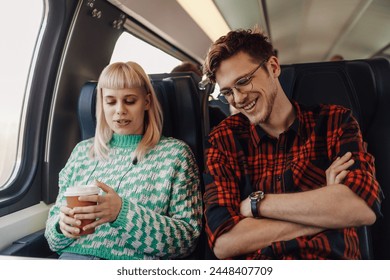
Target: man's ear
<point x="275" y="66"/>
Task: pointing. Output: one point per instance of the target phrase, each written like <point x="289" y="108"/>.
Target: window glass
<point x="152" y="60"/>
<point x="19" y="26"/>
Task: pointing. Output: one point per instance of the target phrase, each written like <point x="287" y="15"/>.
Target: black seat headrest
<point x="346" y="83"/>
<point x="87" y="110"/>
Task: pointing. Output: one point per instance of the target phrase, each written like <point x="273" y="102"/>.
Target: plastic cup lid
<point x="82" y="190"/>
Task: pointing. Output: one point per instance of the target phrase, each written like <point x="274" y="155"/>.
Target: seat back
<point x="184" y="113"/>
<point x="203" y="93"/>
<point x="87" y="110"/>
<point x="218" y="111"/>
<point x="364" y="87"/>
<point x="183" y="106"/>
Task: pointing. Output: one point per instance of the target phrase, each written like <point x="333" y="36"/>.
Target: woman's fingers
<point x="106" y="210"/>
<point x="69" y="231"/>
<point x="104" y="187"/>
<point x="68" y="225"/>
<point x="96" y="223"/>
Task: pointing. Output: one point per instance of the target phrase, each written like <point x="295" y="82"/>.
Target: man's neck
<point x="282" y="116"/>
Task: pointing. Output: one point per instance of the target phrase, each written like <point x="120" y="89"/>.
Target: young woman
<point x="150" y="207"/>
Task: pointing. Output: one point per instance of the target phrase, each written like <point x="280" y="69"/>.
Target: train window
<point x="19" y="31"/>
<point x="129" y="47"/>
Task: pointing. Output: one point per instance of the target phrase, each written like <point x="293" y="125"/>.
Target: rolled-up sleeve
<point x="361" y="177"/>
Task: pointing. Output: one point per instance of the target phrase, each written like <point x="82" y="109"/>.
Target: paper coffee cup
<point x="72" y="198"/>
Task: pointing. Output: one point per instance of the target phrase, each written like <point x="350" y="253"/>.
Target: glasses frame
<point x="239" y="84"/>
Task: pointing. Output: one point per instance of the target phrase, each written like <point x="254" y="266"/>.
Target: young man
<point x="309" y="179"/>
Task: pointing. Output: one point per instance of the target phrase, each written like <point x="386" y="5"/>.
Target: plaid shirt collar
<point x="298" y="127"/>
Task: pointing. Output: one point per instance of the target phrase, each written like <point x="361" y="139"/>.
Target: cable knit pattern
<point x="161" y="212"/>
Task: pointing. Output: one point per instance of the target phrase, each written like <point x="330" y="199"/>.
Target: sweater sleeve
<point x="56" y="240"/>
<point x="175" y="234"/>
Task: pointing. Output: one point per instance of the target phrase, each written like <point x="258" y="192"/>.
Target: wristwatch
<point x="255" y="199"/>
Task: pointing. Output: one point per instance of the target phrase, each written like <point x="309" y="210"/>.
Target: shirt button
<point x="278" y="178"/>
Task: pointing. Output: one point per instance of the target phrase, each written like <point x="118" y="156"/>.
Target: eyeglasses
<point x="239" y="85"/>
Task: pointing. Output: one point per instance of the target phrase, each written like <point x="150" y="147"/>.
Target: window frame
<point x="25" y="189"/>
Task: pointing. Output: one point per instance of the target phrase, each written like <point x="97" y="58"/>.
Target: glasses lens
<point x="244" y="81"/>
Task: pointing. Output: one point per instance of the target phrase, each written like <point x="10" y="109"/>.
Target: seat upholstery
<point x="181" y="102"/>
<point x="87" y="109"/>
<point x="364" y="87"/>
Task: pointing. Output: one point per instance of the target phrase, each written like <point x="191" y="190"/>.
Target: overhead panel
<point x="370" y="34"/>
<point x="168" y="19"/>
<point x="207" y="16"/>
<point x="313" y="30"/>
<point x="242" y="14"/>
<point x="286" y="23"/>
<point x="326" y="22"/>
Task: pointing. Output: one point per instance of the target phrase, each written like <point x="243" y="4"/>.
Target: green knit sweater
<point x="161" y="212"/>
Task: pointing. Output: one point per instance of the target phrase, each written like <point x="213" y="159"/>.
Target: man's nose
<point x="238" y="95"/>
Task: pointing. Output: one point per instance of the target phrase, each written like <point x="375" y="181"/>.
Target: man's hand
<point x="337" y="171"/>
<point x="245" y="207"/>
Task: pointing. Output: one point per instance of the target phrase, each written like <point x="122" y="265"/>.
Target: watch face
<point x="256" y="195"/>
<point x="253" y="195"/>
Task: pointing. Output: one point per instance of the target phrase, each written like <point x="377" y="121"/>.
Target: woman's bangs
<point x="120" y="78"/>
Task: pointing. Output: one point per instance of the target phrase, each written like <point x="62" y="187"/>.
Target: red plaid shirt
<point x="242" y="158"/>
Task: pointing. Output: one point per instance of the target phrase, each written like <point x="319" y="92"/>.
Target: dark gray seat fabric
<point x="87" y="109"/>
<point x="364" y="87"/>
<point x="32" y="245"/>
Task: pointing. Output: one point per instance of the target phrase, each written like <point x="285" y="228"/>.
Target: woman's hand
<point x="337" y="171"/>
<point x="107" y="208"/>
<point x="68" y="224"/>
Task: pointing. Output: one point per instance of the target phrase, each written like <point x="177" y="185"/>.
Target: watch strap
<point x="255" y="199"/>
<point x="255" y="211"/>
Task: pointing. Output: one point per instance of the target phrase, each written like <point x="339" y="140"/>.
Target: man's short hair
<point x="252" y="41"/>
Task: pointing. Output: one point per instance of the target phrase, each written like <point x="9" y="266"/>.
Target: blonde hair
<point x="122" y="75"/>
